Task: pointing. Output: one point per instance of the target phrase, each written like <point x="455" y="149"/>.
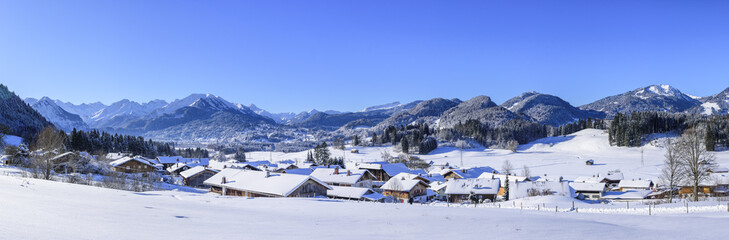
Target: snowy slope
<point x="58" y="116"/>
<point x="659" y="98"/>
<point x="38" y="209"/>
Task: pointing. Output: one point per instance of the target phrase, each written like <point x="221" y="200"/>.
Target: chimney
<point x="464" y="170"/>
<point x="349" y="173"/>
<point x="224" y="181"/>
<point x="336" y="170"/>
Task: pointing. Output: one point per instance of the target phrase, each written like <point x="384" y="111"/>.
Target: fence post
<point x="555" y="209"/>
<point x="649" y="210"/>
<point x="573" y="204"/>
<point x="521" y="206"/>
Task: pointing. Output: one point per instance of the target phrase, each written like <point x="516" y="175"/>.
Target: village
<point x="365" y="178"/>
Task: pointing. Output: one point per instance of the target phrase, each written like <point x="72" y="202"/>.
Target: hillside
<point x="547" y="109"/>
<point x="38" y="209"/>
<point x="23" y="120"/>
<point x="658" y="98"/>
<point x="58" y="116"/>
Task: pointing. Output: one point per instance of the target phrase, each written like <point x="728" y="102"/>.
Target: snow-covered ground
<point x="555" y="156"/>
<point x="38" y="209"/>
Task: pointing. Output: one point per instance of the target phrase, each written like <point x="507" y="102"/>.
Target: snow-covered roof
<point x="475" y="185"/>
<point x="169" y="159"/>
<point x="279" y="184"/>
<point x="472" y="172"/>
<point x="437" y="186"/>
<point x="328" y="175"/>
<point x="115" y="156"/>
<point x="588" y="186"/>
<point x="194" y="171"/>
<point x="627" y="195"/>
<point x="644" y="184"/>
<point x="502" y="177"/>
<point x="299" y="171"/>
<point x="12" y="140"/>
<point x="391" y="169"/>
<point x="583" y="179"/>
<point x="127" y="159"/>
<point x="612" y="176"/>
<point x="411" y="177"/>
<point x="178" y="166"/>
<point x="721" y="178"/>
<point x="402" y="183"/>
<point x="354" y="193"/>
<point x="62" y="155"/>
<point x="223" y="165"/>
<point x="434" y="177"/>
<point x="547" y="178"/>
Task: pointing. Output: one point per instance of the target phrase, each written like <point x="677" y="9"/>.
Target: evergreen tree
<point x="405" y="145"/>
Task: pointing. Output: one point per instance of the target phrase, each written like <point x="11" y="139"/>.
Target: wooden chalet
<point x="247" y="183"/>
<point x="402" y="188"/>
<point x="196" y="176"/>
<point x="133" y="165"/>
<point x="344" y="177"/>
<point x="463" y="190"/>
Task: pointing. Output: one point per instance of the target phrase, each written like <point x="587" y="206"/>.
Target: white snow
<point x="12" y="140"/>
<point x="38" y="209"/>
<point x="710" y="108"/>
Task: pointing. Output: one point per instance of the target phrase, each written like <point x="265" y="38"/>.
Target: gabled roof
<point x="583" y="179"/>
<point x="502" y="177"/>
<point x="391" y="169"/>
<point x="471" y="172"/>
<point x="402" y="184"/>
<point x="645" y="184"/>
<point x="475" y="185"/>
<point x="328" y="175"/>
<point x="587" y="186"/>
<point x="412" y="177"/>
<point x="299" y="171"/>
<point x="127" y="159"/>
<point x="169" y="159"/>
<point x="278" y="184"/>
<point x="66" y="154"/>
<point x="194" y="171"/>
<point x="178" y="166"/>
<point x="354" y="193"/>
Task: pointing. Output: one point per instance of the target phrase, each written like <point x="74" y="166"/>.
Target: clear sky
<point x="346" y="55"/>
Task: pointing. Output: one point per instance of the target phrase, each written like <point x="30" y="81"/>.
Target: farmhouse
<point x="247" y="183"/>
<point x="628" y="195"/>
<point x="462" y="190"/>
<point x="639" y="184"/>
<point x="194" y="177"/>
<point x="403" y="187"/>
<point x="355" y="193"/>
<point x="383" y="171"/>
<point x="467" y="173"/>
<point x="588" y="190"/>
<point x="168" y="161"/>
<point x="344" y="177"/>
<point x="133" y="165"/>
<point x="502" y="180"/>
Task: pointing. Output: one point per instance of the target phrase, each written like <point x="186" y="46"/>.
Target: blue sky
<point x="346" y="55"/>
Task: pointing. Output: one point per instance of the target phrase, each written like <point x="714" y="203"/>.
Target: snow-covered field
<point x="38" y="209"/>
<point x="565" y="157"/>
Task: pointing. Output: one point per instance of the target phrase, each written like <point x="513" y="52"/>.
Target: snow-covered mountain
<point x="547" y="109"/>
<point x="278" y="117"/>
<point x="122" y="112"/>
<point x="58" y="116"/>
<point x="659" y="98"/>
<point x="424" y="112"/>
<point x="84" y="110"/>
<point x="713" y="105"/>
<point x="21" y="119"/>
<point x="479" y="108"/>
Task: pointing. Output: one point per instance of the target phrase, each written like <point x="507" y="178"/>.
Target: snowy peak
<point x="59" y="117"/>
<point x="657" y="98"/>
<point x="547" y="109"/>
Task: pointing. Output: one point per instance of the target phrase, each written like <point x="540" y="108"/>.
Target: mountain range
<point x="206" y="117"/>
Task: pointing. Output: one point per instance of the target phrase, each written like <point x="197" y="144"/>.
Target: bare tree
<point x="512" y="145"/>
<point x="525" y="171"/>
<point x="47" y="144"/>
<point x="507" y="168"/>
<point x="672" y="166"/>
<point x="696" y="159"/>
